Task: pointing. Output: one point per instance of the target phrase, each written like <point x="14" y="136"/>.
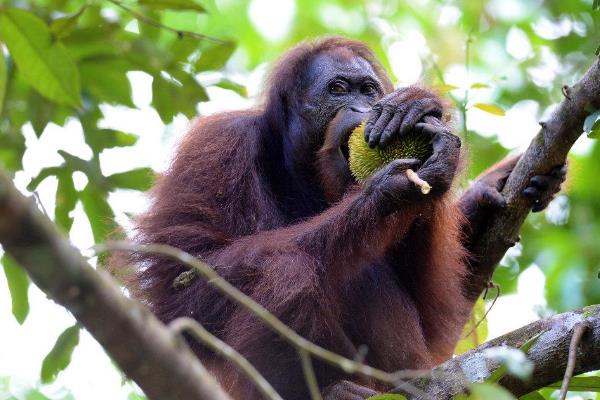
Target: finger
<point x="541" y="182"/>
<point x="540" y="205"/>
<point x="532" y="192"/>
<point x="402" y="164"/>
<point x="373" y="117"/>
<point x="417" y="111"/>
<point x="560" y="171"/>
<point x="390" y="130"/>
<point x="494" y="198"/>
<point x="440" y="136"/>
<point x="382" y="121"/>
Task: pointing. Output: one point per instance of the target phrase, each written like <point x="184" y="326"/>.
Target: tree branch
<point x="549" y="355"/>
<point x="301" y="344"/>
<point x="192" y="327"/>
<point x="144" y="349"/>
<point x="547" y="150"/>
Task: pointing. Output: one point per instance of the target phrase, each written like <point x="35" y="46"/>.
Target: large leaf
<point x="44" y="173"/>
<point x="136" y="179"/>
<point x="512" y="360"/>
<point x="63" y="26"/>
<point x="487" y="391"/>
<point x="98" y="212"/>
<point x="59" y="357"/>
<point x="18" y="286"/>
<point x="3" y="79"/>
<point x="90" y="168"/>
<point x="581" y="384"/>
<point x="532" y="396"/>
<point x="490" y="108"/>
<point x="475" y="332"/>
<point x="170" y="96"/>
<point x="228" y="84"/>
<point x="43" y="62"/>
<point x="66" y="199"/>
<point x="214" y="57"/>
<point x="100" y="139"/>
<point x="12" y="147"/>
<point x="591" y="125"/>
<point x="106" y="78"/>
<point x="182" y="5"/>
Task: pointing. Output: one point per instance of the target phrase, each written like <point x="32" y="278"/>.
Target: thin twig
<point x="309" y="374"/>
<point x="486" y="311"/>
<point x="291" y="336"/>
<point x="38" y="200"/>
<point x="414" y="178"/>
<point x="200" y="333"/>
<point x="578" y="331"/>
<point x="149" y="21"/>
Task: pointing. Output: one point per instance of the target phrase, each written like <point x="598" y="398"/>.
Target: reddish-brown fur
<point x="342" y="275"/>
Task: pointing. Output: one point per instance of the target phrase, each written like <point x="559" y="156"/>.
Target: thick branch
<point x="144" y="349"/>
<point x="549" y="355"/>
<point x="547" y="150"/>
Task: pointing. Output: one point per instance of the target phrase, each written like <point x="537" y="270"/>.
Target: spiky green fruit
<point x="364" y="161"/>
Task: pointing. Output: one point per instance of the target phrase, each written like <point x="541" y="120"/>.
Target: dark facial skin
<point x="338" y="82"/>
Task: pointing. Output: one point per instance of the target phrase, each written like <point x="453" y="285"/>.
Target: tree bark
<point x="144" y="349"/>
<point x="547" y="150"/>
<point x="549" y="355"/>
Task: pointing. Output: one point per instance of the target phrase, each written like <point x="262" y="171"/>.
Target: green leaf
<point x="581" y="384"/>
<point x="170" y="96"/>
<point x="517" y="366"/>
<point x="511" y="361"/>
<point x="100" y="139"/>
<point x="532" y="396"/>
<point x="476" y="329"/>
<point x="66" y="199"/>
<point x="233" y="86"/>
<point x="12" y="147"/>
<point x="106" y="79"/>
<point x="3" y="79"/>
<point x="34" y="394"/>
<point x="480" y="86"/>
<point x="597" y="52"/>
<point x="18" y="286"/>
<point x="180" y="5"/>
<point x="136" y="179"/>
<point x="387" y="396"/>
<point x="90" y="168"/>
<point x="591" y="125"/>
<point x="527" y="345"/>
<point x="43" y="62"/>
<point x="136" y="396"/>
<point x="98" y="212"/>
<point x="63" y="26"/>
<point x="214" y="57"/>
<point x="596" y="5"/>
<point x="44" y="173"/>
<point x="59" y="357"/>
<point x="490" y="108"/>
<point x="445" y="88"/>
<point x="487" y="391"/>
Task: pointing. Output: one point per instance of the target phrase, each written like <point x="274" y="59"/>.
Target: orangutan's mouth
<point x="344" y="148"/>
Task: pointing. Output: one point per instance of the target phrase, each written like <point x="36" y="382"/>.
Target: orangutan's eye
<point x="338" y="87"/>
<point x="369" y="89"/>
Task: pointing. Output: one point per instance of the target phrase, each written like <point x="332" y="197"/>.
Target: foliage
<point x="64" y="62"/>
<point x="60" y="355"/>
